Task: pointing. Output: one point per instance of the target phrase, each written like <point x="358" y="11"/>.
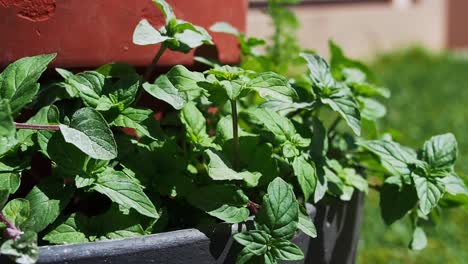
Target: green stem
<point x="235" y="135"/>
<point x="36" y="127"/>
<point x="332" y="130"/>
<point x="150" y="70"/>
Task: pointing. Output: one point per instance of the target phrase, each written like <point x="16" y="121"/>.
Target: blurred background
<point x="416" y="48"/>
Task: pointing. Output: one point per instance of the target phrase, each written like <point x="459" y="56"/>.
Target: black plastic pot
<point x="337" y="223"/>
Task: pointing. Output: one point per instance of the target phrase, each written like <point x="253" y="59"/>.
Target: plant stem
<point x="36" y="127"/>
<point x="149" y="71"/>
<point x="331" y="131"/>
<point x="11" y="232"/>
<point x="235" y="135"/>
<point x="253" y="207"/>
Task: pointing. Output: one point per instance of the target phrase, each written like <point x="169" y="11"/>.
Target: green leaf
<point x="125" y="191"/>
<point x="245" y="256"/>
<point x="224" y="132"/>
<point x="305" y="223"/>
<point x="281" y="127"/>
<point x="177" y="87"/>
<point x="319" y="70"/>
<point x="225" y="202"/>
<point x="255" y="241"/>
<point x="191" y="37"/>
<point x="122" y="93"/>
<point x="195" y="125"/>
<point x="7" y="128"/>
<point x="454" y="185"/>
<point x="341" y="100"/>
<point x="67" y="232"/>
<point x="305" y="173"/>
<point x="18" y="82"/>
<point x="89" y="85"/>
<point x="371" y="109"/>
<point x="393" y="156"/>
<point x="89" y="132"/>
<point x="286" y="250"/>
<point x="146" y="34"/>
<point x="17" y="211"/>
<point x="134" y="118"/>
<point x="117" y="70"/>
<point x="9" y="184"/>
<point x="272" y="85"/>
<point x="166" y="9"/>
<point x="66" y="156"/>
<point x="219" y="171"/>
<point x="396" y="201"/>
<point x="224" y="27"/>
<point x="279" y="214"/>
<point x="339" y="60"/>
<point x="429" y="191"/>
<point x="46" y="201"/>
<point x="23" y="250"/>
<point x="419" y="240"/>
<point x="441" y="151"/>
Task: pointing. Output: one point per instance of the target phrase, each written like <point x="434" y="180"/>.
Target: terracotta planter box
<point x="90" y="33"/>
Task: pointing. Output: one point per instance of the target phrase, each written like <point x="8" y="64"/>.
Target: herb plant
<point x="238" y="144"/>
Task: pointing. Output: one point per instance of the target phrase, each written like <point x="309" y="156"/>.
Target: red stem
<point x="37" y="127"/>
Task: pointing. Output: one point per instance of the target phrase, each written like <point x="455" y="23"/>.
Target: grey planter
<point x="337" y="226"/>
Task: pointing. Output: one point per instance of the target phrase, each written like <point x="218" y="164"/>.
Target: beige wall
<point x="364" y="29"/>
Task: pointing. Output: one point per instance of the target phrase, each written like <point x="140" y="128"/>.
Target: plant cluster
<point x="240" y="145"/>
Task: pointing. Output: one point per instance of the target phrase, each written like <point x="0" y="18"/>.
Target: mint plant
<point x="237" y="145"/>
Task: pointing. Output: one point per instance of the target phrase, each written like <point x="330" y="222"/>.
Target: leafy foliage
<point x="237" y="143"/>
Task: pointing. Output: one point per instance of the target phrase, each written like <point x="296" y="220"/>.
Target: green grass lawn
<point x="429" y="96"/>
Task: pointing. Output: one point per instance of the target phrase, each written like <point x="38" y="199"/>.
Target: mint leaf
<point x="166" y="9"/>
<point x="17" y="211"/>
<point x="305" y="173"/>
<point x="225" y="202"/>
<point x="66" y="156"/>
<point x="419" y="240"/>
<point x="279" y="214"/>
<point x="146" y="34"/>
<point x="124" y="191"/>
<point x="286" y="250"/>
<point x="319" y="70"/>
<point x="255" y="241"/>
<point x="224" y="27"/>
<point x="341" y="100"/>
<point x="224" y="132"/>
<point x="396" y="201"/>
<point x="46" y="202"/>
<point x="18" y="82"/>
<point x="281" y="127"/>
<point x="89" y="132"/>
<point x="393" y="156"/>
<point x="305" y="223"/>
<point x="67" y="232"/>
<point x="7" y="128"/>
<point x="429" y="191"/>
<point x="195" y="125"/>
<point x="23" y="250"/>
<point x="454" y="185"/>
<point x="272" y="85"/>
<point x="89" y="85"/>
<point x="134" y="118"/>
<point x="9" y="184"/>
<point x="441" y="151"/>
<point x="371" y="109"/>
<point x="219" y="171"/>
<point x="122" y="93"/>
<point x="177" y="87"/>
